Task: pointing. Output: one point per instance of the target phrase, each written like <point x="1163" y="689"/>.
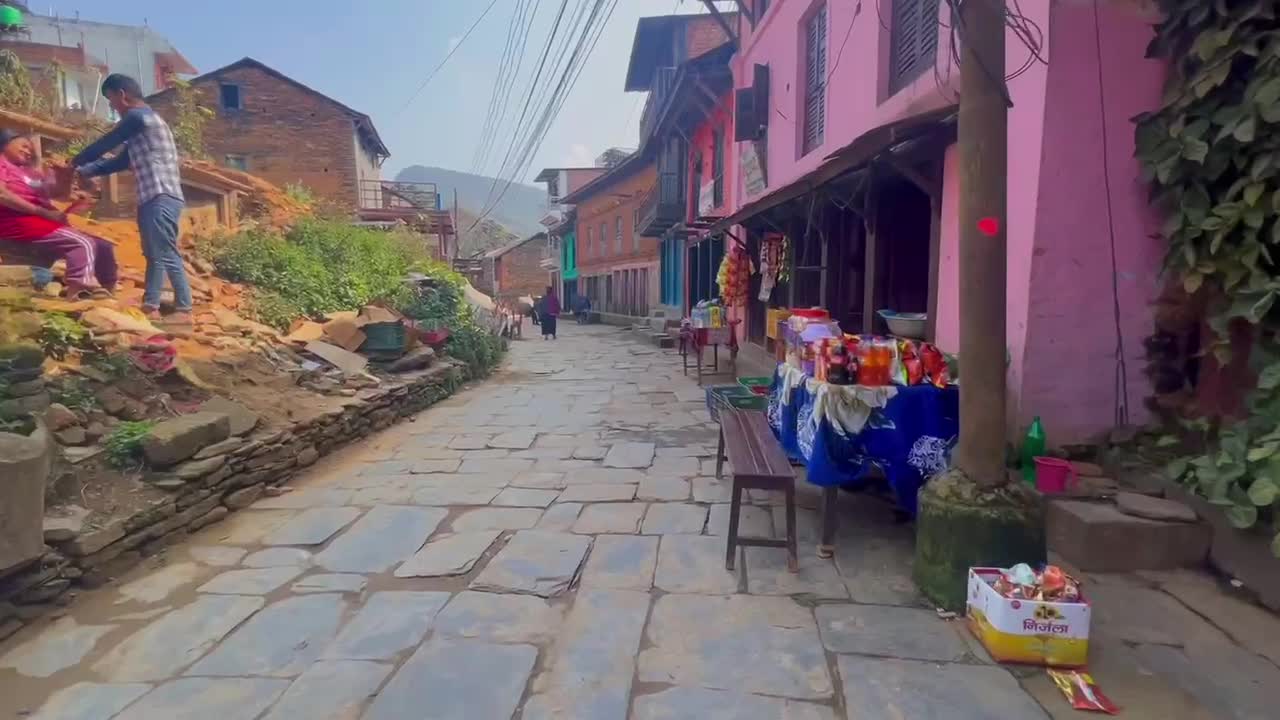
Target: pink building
<point x="849" y="152"/>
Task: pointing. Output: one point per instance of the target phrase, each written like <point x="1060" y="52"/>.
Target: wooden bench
<point x="756" y="461"/>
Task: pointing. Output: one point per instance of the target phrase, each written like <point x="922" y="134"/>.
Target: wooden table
<point x="698" y="339"/>
<point x="756" y="461"/>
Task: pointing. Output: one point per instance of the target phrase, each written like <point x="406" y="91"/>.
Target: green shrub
<point x="74" y="393"/>
<point x="60" y="333"/>
<point x="124" y="444"/>
<point x="300" y="194"/>
<point x="319" y="266"/>
<point x="443" y="304"/>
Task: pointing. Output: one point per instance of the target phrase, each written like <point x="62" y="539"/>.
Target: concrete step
<point x="662" y="340"/>
<point x="1096" y="537"/>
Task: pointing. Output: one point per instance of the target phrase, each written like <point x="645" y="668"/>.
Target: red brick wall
<point x="606" y="205"/>
<point x="704" y="33"/>
<point x="519" y="273"/>
<point x="288" y="135"/>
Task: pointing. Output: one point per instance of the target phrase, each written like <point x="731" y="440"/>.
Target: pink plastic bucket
<point x="1054" y="475"/>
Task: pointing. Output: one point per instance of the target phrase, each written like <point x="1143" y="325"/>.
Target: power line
<point x="513" y="27"/>
<point x="445" y="61"/>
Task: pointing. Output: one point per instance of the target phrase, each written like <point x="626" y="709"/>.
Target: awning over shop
<point x="845" y="160"/>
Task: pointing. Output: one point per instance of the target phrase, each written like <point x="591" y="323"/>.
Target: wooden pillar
<point x="870" y="259"/>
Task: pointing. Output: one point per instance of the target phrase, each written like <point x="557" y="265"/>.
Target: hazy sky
<point x="373" y="54"/>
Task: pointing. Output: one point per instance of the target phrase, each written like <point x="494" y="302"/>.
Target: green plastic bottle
<point x="1033" y="445"/>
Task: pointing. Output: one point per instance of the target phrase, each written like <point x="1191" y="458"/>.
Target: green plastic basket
<point x="757" y="385"/>
<point x="733" y="396"/>
<point x="384" y="337"/>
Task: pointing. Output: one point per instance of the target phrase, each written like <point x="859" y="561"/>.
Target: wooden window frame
<point x="815" y="29"/>
<point x="913" y="41"/>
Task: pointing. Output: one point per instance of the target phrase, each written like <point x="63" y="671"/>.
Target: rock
<point x="44" y="593"/>
<point x="413" y="360"/>
<point x="92" y="541"/>
<point x="169" y="484"/>
<point x="25" y="389"/>
<point x="208" y="518"/>
<point x="94" y="431"/>
<point x="243" y="498"/>
<point x="196" y="469"/>
<point x="1087" y="469"/>
<point x="24" y="465"/>
<point x="173" y="441"/>
<point x="225" y="447"/>
<point x="308" y="456"/>
<point x="1153" y="508"/>
<point x="9" y="627"/>
<point x="66" y="525"/>
<point x="59" y="417"/>
<point x="111" y="400"/>
<point x="37" y="403"/>
<point x="72" y="436"/>
<point x="242" y="419"/>
<point x="273" y="491"/>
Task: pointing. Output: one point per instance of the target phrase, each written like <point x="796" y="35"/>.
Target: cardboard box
<point x="1027" y="631"/>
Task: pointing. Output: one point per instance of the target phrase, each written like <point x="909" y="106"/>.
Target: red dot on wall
<point x="989" y="226"/>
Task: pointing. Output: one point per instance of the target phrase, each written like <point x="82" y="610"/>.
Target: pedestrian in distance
<point x="147" y="148"/>
<point x="550" y="313"/>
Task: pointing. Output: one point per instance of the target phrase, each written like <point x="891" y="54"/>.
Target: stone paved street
<point x="545" y="545"/>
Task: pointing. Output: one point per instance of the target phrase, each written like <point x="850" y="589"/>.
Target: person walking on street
<point x="148" y="150"/>
<point x="550" y="312"/>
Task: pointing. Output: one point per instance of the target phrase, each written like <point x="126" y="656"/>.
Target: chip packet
<point x="1082" y="692"/>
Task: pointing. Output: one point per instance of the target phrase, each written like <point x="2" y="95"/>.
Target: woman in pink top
<point x="34" y="232"/>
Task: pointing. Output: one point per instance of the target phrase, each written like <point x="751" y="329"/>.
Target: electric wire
<point x="434" y="71"/>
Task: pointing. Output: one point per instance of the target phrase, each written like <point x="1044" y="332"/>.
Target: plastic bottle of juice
<point x="1033" y="445"/>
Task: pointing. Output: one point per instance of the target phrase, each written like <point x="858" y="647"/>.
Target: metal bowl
<point x="907" y="325"/>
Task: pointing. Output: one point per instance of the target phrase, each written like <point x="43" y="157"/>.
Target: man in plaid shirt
<point x="148" y="151"/>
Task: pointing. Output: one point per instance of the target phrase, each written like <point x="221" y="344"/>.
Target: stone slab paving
<point x="687" y="703"/>
<point x="525" y="497"/>
<point x="489" y="552"/>
<point x="331" y="690"/>
<point x="694" y="564"/>
<point x="90" y="701"/>
<point x="312" y="527"/>
<point x="282" y="640"/>
<point x="621" y="562"/>
<point x="456" y="679"/>
<point x="497" y="519"/>
<point x="389" y="622"/>
<point x="64" y="644"/>
<point x="499" y="618"/>
<point x="385" y="535"/>
<point x="889" y="689"/>
<point x="593" y="659"/>
<point x="610" y="518"/>
<point x="201" y="698"/>
<point x="253" y="581"/>
<point x="702" y="641"/>
<point x="535" y="562"/>
<point x="662" y="488"/>
<point x="452" y="554"/>
<point x="330" y="582"/>
<point x="175" y="640"/>
<point x="674" y="519"/>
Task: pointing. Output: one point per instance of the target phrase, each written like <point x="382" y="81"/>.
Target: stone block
<point x="1096" y="537"/>
<point x="241" y="419"/>
<point x="173" y="441"/>
<point x="24" y="464"/>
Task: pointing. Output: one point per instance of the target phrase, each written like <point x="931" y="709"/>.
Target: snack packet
<point x="1082" y="692"/>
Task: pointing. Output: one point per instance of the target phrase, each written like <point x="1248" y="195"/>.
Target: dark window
<point x="618" y="229"/>
<point x="717" y="167"/>
<point x="815" y="79"/>
<point x="913" y="43"/>
<point x="230" y="96"/>
<point x="604" y="239"/>
<point x="236" y="162"/>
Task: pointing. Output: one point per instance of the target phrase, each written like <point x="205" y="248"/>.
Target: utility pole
<point x="983" y="140"/>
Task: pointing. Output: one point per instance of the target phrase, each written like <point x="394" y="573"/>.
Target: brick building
<point x="516" y="269"/>
<point x="275" y="127"/>
<point x="617" y="267"/>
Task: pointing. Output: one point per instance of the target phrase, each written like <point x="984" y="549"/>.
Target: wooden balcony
<point x="664" y="207"/>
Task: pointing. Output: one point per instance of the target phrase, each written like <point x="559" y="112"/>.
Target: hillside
<point x="518" y="213"/>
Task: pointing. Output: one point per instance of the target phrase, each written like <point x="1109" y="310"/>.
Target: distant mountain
<point x="516" y="215"/>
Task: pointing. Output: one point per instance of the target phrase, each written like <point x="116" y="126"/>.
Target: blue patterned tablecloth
<point x="909" y="438"/>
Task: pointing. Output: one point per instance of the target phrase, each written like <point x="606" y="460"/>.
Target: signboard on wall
<point x="754" y="174"/>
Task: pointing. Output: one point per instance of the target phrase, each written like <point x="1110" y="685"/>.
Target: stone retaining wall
<point x="238" y="474"/>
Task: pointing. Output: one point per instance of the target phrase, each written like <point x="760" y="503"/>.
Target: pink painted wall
<point x="857" y="89"/>
<point x="1070" y="354"/>
<point x="1061" y="333"/>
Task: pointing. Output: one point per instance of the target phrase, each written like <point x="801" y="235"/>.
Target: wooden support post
<point x="983" y="141"/>
<point x="870" y="258"/>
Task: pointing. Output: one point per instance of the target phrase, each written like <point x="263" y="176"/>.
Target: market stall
<point x="859" y="410"/>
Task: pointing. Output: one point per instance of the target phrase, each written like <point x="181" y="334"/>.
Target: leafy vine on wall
<point x="1212" y="155"/>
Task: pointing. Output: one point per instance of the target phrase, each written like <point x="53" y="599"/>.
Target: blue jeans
<point x="158" y="221"/>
